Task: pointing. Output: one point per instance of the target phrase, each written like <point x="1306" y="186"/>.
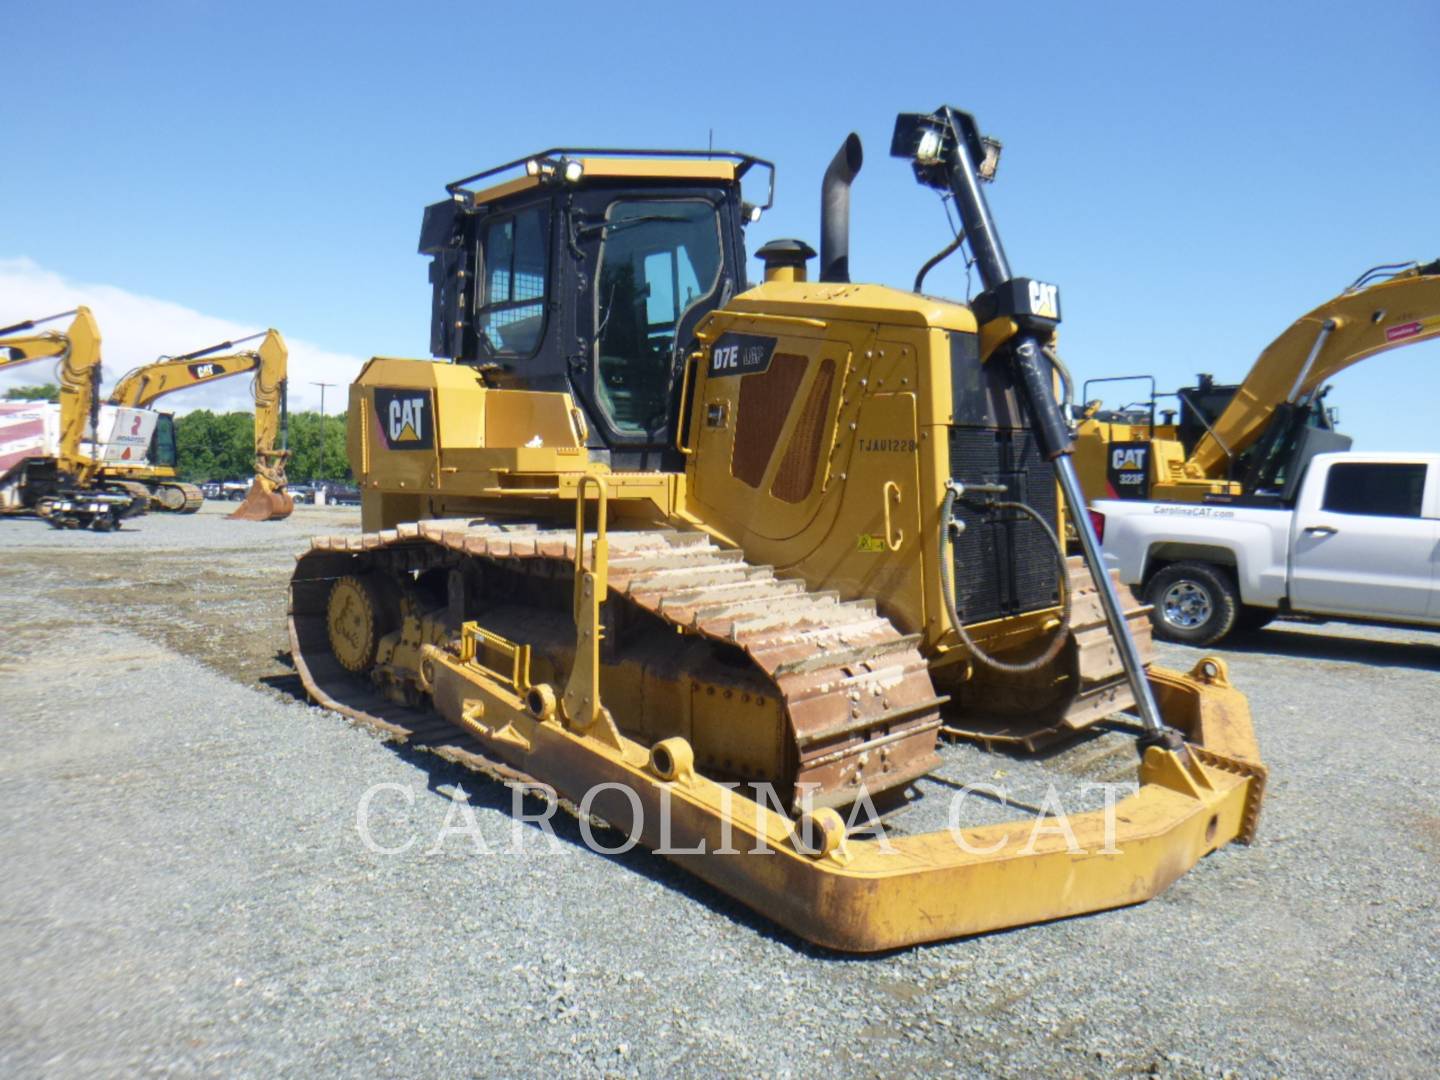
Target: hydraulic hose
<point x="936" y="259"/>
<point x="1067" y="384"/>
<point x="947" y="587"/>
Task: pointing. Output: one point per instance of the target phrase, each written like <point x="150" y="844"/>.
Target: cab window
<point x="510" y="316"/>
<point x="1381" y="489"/>
<point x="658" y="258"/>
<point x="162" y="443"/>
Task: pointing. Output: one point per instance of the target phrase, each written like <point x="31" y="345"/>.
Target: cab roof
<point x="576" y="166"/>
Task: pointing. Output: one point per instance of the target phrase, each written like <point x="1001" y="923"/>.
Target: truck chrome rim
<point x="1186" y="605"/>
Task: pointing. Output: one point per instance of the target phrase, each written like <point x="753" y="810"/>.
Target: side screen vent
<point x="1004" y="563"/>
<point x="765" y="401"/>
<point x="796" y="475"/>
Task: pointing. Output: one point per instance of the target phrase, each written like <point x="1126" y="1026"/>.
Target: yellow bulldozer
<point x="1252" y="441"/>
<point x="267" y="498"/>
<point x="720" y="562"/>
<point x="51" y="456"/>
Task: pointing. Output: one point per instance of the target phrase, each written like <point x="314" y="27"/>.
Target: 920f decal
<point x="406" y="418"/>
<point x="741" y="354"/>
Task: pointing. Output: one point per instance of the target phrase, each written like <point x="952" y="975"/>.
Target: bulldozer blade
<point x="262" y="505"/>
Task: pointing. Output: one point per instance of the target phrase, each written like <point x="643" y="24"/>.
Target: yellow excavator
<point x="47" y="472"/>
<point x="722" y="563"/>
<point x="1252" y="441"/>
<point x="267" y="498"/>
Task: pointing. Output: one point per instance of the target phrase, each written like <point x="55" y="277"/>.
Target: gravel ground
<point x="187" y="891"/>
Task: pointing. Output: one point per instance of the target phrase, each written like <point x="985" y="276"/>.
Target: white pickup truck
<point x="1359" y="542"/>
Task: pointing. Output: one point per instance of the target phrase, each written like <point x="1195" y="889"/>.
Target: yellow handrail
<point x="581" y="703"/>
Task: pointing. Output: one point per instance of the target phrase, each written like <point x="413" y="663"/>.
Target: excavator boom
<point x="17" y="348"/>
<point x="1364" y="320"/>
<point x="143" y="386"/>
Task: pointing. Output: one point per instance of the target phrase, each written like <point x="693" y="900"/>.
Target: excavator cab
<point x="162" y="443"/>
<point x="588" y="272"/>
<point x="1268" y="471"/>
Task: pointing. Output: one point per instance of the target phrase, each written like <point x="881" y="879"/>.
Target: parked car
<point x="211" y="489"/>
<point x="234" y="490"/>
<point x="1357" y="542"/>
<point x="342" y="494"/>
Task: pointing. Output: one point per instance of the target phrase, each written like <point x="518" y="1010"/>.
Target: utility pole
<point x="322" y="386"/>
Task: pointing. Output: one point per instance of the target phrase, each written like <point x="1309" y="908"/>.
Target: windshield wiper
<point x="625" y="223"/>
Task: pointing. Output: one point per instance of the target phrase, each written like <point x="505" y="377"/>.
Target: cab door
<point x="1365" y="541"/>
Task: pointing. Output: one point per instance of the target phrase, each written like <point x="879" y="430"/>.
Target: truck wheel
<point x="1194" y="603"/>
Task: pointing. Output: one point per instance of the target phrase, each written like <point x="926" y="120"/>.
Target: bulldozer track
<point x="861" y="707"/>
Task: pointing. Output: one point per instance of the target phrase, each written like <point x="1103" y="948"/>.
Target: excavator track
<point x="138" y="492"/>
<point x="177" y="498"/>
<point x="859" y="708"/>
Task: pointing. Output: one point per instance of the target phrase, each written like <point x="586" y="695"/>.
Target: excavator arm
<point x="1368" y="318"/>
<point x="77" y="347"/>
<point x="271" y="418"/>
<point x="267" y="499"/>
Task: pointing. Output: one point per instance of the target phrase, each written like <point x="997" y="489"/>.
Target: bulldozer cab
<point x="589" y="273"/>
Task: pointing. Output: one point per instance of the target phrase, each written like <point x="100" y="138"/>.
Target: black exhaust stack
<point x="835" y="210"/>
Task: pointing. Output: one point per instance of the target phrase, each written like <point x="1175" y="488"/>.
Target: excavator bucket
<point x="262" y="504"/>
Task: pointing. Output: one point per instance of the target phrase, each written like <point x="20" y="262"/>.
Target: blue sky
<point x="1193" y="177"/>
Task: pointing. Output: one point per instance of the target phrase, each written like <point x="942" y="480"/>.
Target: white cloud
<point x="136" y="330"/>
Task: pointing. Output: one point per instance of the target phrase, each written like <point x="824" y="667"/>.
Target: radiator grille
<point x="1004" y="563"/>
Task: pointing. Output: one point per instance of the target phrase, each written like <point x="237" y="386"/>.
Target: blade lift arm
<point x="948" y="152"/>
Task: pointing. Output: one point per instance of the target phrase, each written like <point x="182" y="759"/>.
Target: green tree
<point x="317" y="447"/>
<point x="221" y="446"/>
<point x="43" y="392"/>
<point x="215" y="446"/>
